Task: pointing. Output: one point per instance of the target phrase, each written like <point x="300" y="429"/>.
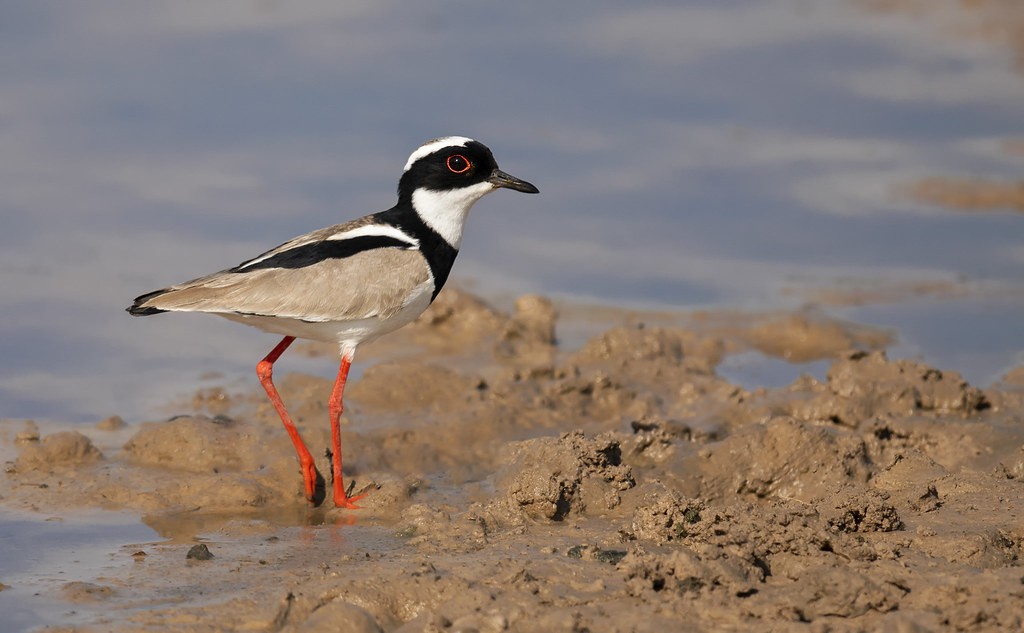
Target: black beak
<point x="501" y="179"/>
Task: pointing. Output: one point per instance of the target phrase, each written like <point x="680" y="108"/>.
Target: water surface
<point x="689" y="154"/>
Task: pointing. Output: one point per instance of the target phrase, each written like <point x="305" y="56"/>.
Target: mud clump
<point x="681" y="572"/>
<point x="67" y="448"/>
<point x="456" y="315"/>
<point x="628" y="347"/>
<point x="551" y="478"/>
<point x="414" y="387"/>
<point x="194" y="444"/>
<point x="110" y="423"/>
<point x="84" y="592"/>
<point x="776" y="560"/>
<point x="529" y="335"/>
<point x="340" y="616"/>
<point x="780" y="457"/>
<point x="866" y="512"/>
<point x="808" y="336"/>
<point x="865" y="385"/>
<point x="665" y="516"/>
<point x="212" y="463"/>
<point x="905" y="386"/>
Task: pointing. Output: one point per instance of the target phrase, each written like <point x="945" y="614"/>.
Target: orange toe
<point x="348" y="503"/>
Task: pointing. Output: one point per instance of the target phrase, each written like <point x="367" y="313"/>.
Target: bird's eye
<point x="458" y="164"/>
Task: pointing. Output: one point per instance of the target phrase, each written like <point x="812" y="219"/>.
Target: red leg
<point x="341" y="499"/>
<point x="265" y="370"/>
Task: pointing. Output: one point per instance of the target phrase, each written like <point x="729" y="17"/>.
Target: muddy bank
<point x="515" y="485"/>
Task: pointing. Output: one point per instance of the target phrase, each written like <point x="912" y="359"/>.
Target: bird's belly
<point x="346" y="332"/>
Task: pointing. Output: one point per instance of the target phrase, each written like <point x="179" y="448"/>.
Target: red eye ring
<point x="458" y="164"/>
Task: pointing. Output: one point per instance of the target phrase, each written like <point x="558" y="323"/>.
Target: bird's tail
<point x="139" y="307"/>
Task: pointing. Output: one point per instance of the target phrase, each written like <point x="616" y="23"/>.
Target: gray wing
<point x="370" y="271"/>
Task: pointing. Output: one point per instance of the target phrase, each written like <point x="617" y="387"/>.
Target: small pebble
<point x="199" y="552"/>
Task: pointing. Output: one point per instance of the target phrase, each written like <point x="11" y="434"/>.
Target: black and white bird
<point x="351" y="282"/>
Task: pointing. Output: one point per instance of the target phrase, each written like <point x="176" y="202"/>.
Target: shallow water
<point x="42" y="554"/>
<point x="144" y="563"/>
<point x="689" y="155"/>
<point x="980" y="338"/>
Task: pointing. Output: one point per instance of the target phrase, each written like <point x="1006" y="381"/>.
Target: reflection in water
<point x="182" y="527"/>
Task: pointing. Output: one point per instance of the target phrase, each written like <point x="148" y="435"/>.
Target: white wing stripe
<point x="383" y="230"/>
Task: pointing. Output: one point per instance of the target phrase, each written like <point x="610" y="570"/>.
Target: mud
<point x="969" y="195"/>
<point x="514" y="484"/>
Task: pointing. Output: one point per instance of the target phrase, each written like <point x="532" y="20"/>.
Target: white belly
<point x="347" y="333"/>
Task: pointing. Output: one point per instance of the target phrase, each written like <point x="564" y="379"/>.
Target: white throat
<point x="446" y="211"/>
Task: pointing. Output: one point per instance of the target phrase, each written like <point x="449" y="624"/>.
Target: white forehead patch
<point x="430" y="147"/>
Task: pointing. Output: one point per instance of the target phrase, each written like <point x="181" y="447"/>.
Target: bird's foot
<point x="345" y="499"/>
<point x="348" y="503"/>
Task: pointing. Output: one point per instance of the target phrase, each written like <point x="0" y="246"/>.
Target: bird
<point x="352" y="282"/>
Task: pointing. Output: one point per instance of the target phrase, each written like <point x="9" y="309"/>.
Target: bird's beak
<point x="501" y="179"/>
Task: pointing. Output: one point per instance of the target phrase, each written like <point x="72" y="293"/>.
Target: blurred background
<point x="862" y="157"/>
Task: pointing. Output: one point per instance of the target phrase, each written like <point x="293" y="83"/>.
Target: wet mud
<point x="519" y="484"/>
